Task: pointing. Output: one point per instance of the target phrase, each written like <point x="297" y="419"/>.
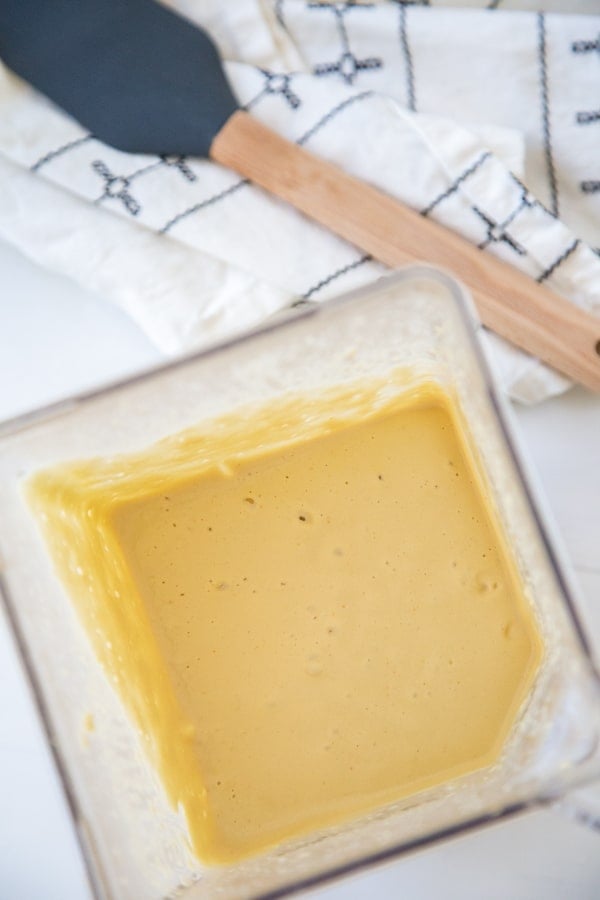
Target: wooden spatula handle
<point x="509" y="302"/>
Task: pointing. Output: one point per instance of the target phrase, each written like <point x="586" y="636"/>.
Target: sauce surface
<point x="307" y="630"/>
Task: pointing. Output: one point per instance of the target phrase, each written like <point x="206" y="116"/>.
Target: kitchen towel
<point x="485" y="119"/>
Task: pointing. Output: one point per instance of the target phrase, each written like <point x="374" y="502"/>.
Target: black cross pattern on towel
<point x="588" y="116"/>
<point x="116" y="187"/>
<point x="278" y="83"/>
<point x="347" y="65"/>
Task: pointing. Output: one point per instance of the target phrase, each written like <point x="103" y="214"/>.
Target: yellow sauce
<point x="309" y="612"/>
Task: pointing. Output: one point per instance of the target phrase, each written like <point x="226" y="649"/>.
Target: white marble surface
<point x="54" y="339"/>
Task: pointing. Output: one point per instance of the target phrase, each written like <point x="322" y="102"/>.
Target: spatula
<point x="145" y="80"/>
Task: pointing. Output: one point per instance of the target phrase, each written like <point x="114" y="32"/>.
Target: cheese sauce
<point x="310" y="610"/>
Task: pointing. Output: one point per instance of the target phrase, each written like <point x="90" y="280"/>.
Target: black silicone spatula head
<point x="138" y="76"/>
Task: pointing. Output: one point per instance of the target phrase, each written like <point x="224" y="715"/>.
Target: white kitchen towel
<point x="485" y="119"/>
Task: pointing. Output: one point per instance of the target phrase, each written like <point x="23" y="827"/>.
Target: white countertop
<point x="56" y="339"/>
